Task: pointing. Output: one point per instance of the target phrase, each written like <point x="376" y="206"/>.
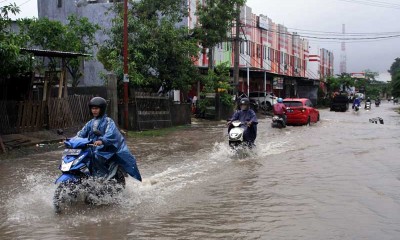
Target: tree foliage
<point x="159" y="49"/>
<point x="217" y="81"/>
<point x="78" y="35"/>
<point x="340" y="82"/>
<point x="11" y="62"/>
<point x="395" y="73"/>
<point x="215" y="18"/>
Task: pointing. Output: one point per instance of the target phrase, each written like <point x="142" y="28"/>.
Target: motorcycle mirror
<point x="97" y="133"/>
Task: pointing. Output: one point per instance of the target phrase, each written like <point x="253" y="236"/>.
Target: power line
<point x="374" y="4"/>
<point x="24" y="3"/>
<point x="332" y="38"/>
<point x="317" y="32"/>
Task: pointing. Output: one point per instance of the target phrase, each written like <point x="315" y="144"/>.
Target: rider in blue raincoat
<point x="110" y="144"/>
<point x="356" y="102"/>
<point x="247" y="116"/>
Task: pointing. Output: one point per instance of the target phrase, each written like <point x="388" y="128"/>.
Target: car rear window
<point x="293" y="103"/>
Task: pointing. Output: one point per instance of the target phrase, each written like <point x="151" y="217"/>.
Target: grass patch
<point x="155" y="132"/>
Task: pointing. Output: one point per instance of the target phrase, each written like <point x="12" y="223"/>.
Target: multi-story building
<point x="268" y="51"/>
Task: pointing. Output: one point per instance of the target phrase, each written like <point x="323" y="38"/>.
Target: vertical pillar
<point x="248" y="81"/>
<point x="112" y="94"/>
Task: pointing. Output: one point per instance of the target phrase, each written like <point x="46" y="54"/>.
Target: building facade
<point x="97" y="11"/>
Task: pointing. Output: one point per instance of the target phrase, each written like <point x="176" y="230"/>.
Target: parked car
<point x="340" y="103"/>
<point x="300" y="111"/>
<point x="265" y="99"/>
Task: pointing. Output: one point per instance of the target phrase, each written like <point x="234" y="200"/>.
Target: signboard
<point x="263" y="22"/>
<point x="277" y="83"/>
<point x="358" y="75"/>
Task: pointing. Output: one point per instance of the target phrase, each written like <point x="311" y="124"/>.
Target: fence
<point x="27" y="116"/>
<point x="152" y="111"/>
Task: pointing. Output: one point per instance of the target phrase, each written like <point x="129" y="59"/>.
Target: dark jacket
<point x="245" y="116"/>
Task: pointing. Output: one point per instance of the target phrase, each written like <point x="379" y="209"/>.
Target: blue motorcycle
<point x="76" y="177"/>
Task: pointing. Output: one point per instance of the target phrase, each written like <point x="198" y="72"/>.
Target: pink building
<point x="271" y="55"/>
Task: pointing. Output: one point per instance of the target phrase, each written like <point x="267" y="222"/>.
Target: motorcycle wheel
<point x="109" y="188"/>
<point x="119" y="180"/>
<point x="63" y="196"/>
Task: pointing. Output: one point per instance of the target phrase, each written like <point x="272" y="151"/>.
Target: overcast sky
<point x="323" y="16"/>
<point x="329" y="15"/>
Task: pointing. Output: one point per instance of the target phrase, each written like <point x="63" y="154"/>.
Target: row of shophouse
<point x="271" y="58"/>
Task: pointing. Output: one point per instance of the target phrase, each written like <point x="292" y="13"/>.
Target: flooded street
<point x="338" y="179"/>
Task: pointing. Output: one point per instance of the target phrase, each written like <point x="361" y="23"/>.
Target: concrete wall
<point x="96" y="13"/>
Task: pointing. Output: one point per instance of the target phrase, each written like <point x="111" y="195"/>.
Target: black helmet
<point x="100" y="103"/>
<point x="244" y="101"/>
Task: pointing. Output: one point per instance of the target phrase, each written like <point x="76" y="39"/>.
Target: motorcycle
<point x="367" y="105"/>
<point x="76" y="178"/>
<point x="236" y="135"/>
<point x="377" y="103"/>
<point x="278" y="122"/>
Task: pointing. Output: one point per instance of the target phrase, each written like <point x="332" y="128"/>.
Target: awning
<point x="51" y="53"/>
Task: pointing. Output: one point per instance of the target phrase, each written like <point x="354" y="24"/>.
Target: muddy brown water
<point x="338" y="179"/>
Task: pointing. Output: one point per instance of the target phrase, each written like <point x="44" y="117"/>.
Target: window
<point x="241" y="48"/>
<point x="293" y="103"/>
<point x="264" y="52"/>
<point x="271" y="54"/>
<point x="59" y="3"/>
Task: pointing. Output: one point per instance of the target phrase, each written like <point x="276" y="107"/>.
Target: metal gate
<point x="152" y="111"/>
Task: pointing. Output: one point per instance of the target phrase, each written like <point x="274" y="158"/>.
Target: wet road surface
<point x="338" y="179"/>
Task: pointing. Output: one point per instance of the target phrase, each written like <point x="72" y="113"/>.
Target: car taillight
<point x="302" y="110"/>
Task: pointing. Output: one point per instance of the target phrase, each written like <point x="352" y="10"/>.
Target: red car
<point x="300" y="111"/>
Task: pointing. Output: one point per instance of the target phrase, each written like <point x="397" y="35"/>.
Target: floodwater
<point x="337" y="179"/>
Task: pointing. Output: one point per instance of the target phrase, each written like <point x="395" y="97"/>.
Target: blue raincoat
<point x="356" y="102"/>
<point x="250" y="133"/>
<point x="114" y="147"/>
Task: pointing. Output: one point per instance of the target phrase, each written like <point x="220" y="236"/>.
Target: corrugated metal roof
<point x="51" y="53"/>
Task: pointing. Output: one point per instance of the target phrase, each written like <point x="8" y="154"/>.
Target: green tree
<point x="339" y="83"/>
<point x="395" y="67"/>
<point x="395" y="73"/>
<point x="215" y="18"/>
<point x="11" y="62"/>
<point x="160" y="51"/>
<point x="217" y="81"/>
<point x="78" y="35"/>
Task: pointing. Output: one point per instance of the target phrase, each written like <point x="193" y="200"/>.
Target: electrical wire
<point x="316" y="32"/>
<point x="374" y="4"/>
<point x="24" y="3"/>
<point x="343" y="38"/>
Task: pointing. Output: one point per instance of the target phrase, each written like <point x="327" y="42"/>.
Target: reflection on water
<point x="337" y="179"/>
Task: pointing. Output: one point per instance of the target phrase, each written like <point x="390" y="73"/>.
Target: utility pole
<point x="343" y="64"/>
<point x="126" y="76"/>
<point x="236" y="48"/>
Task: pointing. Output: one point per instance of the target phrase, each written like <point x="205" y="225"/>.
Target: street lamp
<point x="83" y="3"/>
